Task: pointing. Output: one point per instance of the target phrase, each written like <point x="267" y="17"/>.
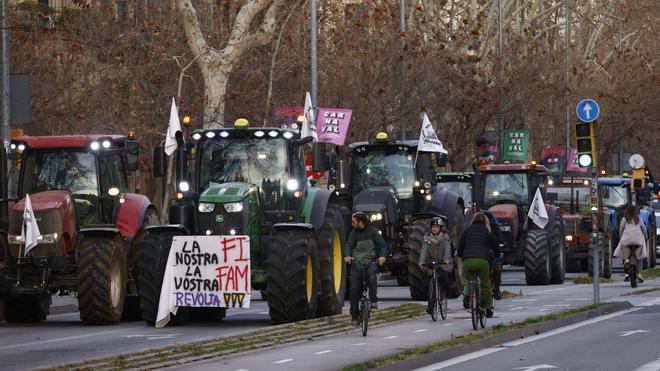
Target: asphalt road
<point x="63" y="339"/>
<point x="626" y="340"/>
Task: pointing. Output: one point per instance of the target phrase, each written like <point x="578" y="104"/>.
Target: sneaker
<point x="497" y="295"/>
<point x="373" y="306"/>
<point x="489" y="313"/>
<point x="626" y="278"/>
<point x="466" y="302"/>
<point x="640" y="279"/>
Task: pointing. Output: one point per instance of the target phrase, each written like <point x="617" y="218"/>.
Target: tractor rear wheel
<point x="292" y="276"/>
<point x="333" y="270"/>
<point x="101" y="280"/>
<point x="557" y="255"/>
<point x="27" y="308"/>
<point x="417" y="279"/>
<point x="537" y="258"/>
<point x="154" y="252"/>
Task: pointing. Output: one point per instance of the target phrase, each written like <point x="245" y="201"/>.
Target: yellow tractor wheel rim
<point x="310" y="277"/>
<point x="337" y="262"/>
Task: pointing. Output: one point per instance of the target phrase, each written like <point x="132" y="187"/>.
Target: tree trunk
<point x="215" y="89"/>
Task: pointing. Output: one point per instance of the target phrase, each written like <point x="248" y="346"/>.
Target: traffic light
<point x="638" y="178"/>
<point x="586" y="144"/>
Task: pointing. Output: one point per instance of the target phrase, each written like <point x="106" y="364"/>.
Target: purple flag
<point x="332" y="125"/>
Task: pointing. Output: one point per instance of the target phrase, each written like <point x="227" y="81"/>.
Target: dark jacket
<point x="366" y="245"/>
<point x="437" y="248"/>
<point x="478" y="242"/>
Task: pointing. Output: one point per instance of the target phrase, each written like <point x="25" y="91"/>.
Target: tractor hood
<point x="226" y="192"/>
<point x="48" y="200"/>
<point x="505" y="211"/>
<point x="375" y="199"/>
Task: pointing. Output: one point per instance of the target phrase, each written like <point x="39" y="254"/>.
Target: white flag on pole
<point x="30" y="231"/>
<point x="306" y="130"/>
<point x="537" y="210"/>
<point x="428" y="139"/>
<point x="173" y="126"/>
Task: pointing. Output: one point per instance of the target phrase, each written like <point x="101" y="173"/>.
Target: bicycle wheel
<point x="632" y="272"/>
<point x="433" y="299"/>
<point x="473" y="305"/>
<point x="482" y="311"/>
<point x="443" y="304"/>
<point x="364" y="316"/>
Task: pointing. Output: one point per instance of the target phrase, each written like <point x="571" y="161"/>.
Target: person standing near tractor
<point x="364" y="246"/>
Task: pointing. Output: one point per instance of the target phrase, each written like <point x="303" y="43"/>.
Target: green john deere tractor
<point x="251" y="181"/>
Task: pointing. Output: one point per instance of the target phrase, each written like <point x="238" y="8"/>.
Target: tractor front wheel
<point x="417" y="279"/>
<point x="537" y="258"/>
<point x="333" y="270"/>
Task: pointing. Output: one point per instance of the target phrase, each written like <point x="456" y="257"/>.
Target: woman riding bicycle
<point x="477" y="247"/>
<point x="632" y="232"/>
<point x="437" y="248"/>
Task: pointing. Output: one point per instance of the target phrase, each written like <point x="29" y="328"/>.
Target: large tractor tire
<point x="27" y="308"/>
<point x="332" y="268"/>
<point x="417" y="279"/>
<point x="292" y="276"/>
<point x="557" y="255"/>
<point x="154" y="251"/>
<point x="101" y="280"/>
<point x="538" y="269"/>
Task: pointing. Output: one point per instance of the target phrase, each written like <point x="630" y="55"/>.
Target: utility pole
<point x="314" y="64"/>
<point x="402" y="67"/>
<point x="500" y="117"/>
<point x="4" y="60"/>
<point x="620" y="126"/>
<point x="567" y="98"/>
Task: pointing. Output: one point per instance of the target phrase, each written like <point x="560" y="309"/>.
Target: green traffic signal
<point x="585" y="160"/>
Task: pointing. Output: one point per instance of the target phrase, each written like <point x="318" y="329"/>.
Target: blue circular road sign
<point x="587" y="110"/>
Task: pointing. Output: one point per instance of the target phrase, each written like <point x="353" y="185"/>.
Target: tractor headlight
<point x="184" y="186"/>
<point x="427" y="185"/>
<point x="233" y="207"/>
<point x="15" y="239"/>
<point x="292" y="185"/>
<point x="48" y="238"/>
<point x="377" y="216"/>
<point x="205" y="207"/>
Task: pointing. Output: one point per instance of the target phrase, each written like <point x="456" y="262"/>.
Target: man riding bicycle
<point x="364" y="245"/>
<point x="477" y="247"/>
<point x="436" y="247"/>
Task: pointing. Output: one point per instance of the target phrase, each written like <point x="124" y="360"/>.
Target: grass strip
<point x="642" y="291"/>
<point x="458" y="340"/>
<point x="258" y="339"/>
<point x="651" y="273"/>
<point x="582" y="280"/>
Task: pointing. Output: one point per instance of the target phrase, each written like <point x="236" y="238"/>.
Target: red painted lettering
<point x="242" y="274"/>
<point x="227" y="246"/>
<point x="221" y="274"/>
<point x="241" y="258"/>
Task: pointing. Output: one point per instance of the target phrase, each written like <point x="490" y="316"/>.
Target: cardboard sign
<point x="332" y="125"/>
<point x="210" y="271"/>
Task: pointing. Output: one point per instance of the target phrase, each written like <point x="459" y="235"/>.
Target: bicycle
<point x="437" y="303"/>
<point x="632" y="265"/>
<point x="365" y="303"/>
<point x="477" y="311"/>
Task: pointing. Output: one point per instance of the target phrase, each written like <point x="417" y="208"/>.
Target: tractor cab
<point x="460" y="183"/>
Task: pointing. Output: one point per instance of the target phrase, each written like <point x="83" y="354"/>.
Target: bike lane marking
<point x="60" y="339"/>
<point x="460" y="359"/>
<point x="323" y="352"/>
<point x="283" y="361"/>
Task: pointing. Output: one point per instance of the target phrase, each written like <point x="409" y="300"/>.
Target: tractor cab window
<point x="509" y="188"/>
<point x="384" y="168"/>
<point x="614" y="196"/>
<point x="259" y="161"/>
<point x="71" y="171"/>
<point x="111" y="174"/>
<point x="563" y="198"/>
<point x="13" y="175"/>
<point x="464" y="189"/>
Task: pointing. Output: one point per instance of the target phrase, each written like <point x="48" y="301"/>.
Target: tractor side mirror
<point x="160" y="162"/>
<point x="319" y="157"/>
<point x="132" y="155"/>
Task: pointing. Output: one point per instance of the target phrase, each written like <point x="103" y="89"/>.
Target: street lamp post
<point x="402" y="68"/>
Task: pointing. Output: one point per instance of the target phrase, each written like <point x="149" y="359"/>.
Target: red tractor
<point x="89" y="225"/>
<point x="507" y="190"/>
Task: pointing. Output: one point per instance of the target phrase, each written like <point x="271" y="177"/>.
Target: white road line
<point x="284" y="360"/>
<point x="517" y="308"/>
<point x="94" y="334"/>
<point x="649" y="303"/>
<point x="358" y="344"/>
<point x="566" y="328"/>
<point x="421" y="330"/>
<point x="390" y="337"/>
<point x="461" y="359"/>
<point x="160" y="337"/>
<point x="557" y="305"/>
<point x="525" y="300"/>
<point x="447" y="324"/>
<point x="323" y="352"/>
<point x="578" y="299"/>
<point x="242" y="369"/>
<point x="651" y="366"/>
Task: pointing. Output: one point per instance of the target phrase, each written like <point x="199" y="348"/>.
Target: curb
<point x="530" y="330"/>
